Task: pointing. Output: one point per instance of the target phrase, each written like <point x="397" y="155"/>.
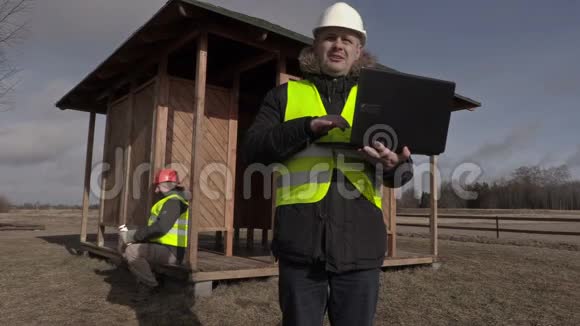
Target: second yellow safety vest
<point x="177" y="235"/>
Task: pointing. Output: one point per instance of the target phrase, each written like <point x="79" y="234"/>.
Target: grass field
<point x="45" y="283"/>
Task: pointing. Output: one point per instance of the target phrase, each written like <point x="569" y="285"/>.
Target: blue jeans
<point x="306" y="292"/>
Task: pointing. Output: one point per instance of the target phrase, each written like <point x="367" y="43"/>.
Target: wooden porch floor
<point x="247" y="262"/>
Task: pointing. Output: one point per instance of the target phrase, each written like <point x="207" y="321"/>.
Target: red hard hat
<point x="166" y="175"/>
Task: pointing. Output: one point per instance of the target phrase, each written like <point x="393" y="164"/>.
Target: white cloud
<point x="37" y="141"/>
<point x="35" y="131"/>
<point x="37" y="101"/>
<point x="42" y="148"/>
<point x="516" y="140"/>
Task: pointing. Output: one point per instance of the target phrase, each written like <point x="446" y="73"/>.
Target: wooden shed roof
<point x="170" y="23"/>
<point x="255" y="21"/>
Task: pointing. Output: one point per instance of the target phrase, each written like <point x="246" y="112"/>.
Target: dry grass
<point x="477" y="284"/>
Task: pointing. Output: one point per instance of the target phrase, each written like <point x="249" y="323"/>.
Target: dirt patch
<point x="20" y="227"/>
<point x="45" y="282"/>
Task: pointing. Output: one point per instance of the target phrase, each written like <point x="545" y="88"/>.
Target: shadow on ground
<point x="172" y="305"/>
<point x="71" y="242"/>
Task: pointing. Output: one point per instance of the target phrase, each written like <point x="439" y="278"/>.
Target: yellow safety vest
<point x="177" y="235"/>
<point x="306" y="177"/>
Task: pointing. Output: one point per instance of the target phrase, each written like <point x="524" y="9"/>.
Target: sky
<point x="519" y="58"/>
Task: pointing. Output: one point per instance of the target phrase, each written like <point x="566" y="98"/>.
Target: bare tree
<point x="12" y="28"/>
<point x="530" y="187"/>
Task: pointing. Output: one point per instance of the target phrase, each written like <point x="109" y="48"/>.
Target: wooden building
<point x="181" y="91"/>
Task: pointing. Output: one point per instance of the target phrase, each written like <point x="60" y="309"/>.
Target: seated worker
<point x="164" y="239"/>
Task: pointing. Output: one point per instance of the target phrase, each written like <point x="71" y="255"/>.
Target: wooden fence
<point x="497" y="220"/>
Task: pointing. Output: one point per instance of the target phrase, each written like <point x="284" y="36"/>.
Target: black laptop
<point x="400" y="110"/>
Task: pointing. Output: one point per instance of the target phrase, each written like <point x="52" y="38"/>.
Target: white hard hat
<point x="341" y="14"/>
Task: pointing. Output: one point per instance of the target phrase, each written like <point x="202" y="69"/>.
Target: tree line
<point x="528" y="187"/>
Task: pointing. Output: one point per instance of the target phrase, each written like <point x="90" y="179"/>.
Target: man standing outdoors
<point x="329" y="233"/>
<point x="164" y="239"/>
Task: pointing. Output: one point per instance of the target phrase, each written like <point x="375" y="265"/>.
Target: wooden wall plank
<point x="140" y="185"/>
<point x="232" y="152"/>
<point x="87" y="182"/>
<point x="158" y="126"/>
<point x="390" y="219"/>
<point x="180" y="127"/>
<point x="216" y="212"/>
<point x="100" y="229"/>
<point x="207" y="215"/>
<point x="126" y="197"/>
<point x="393" y="222"/>
<point x="161" y="116"/>
<point x="213" y="148"/>
<point x="114" y="157"/>
<point x="198" y="131"/>
<point x="181" y="140"/>
<point x="214" y="153"/>
<point x="434" y="197"/>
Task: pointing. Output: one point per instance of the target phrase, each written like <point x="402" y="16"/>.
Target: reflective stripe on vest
<point x="177" y="235"/>
<point x="306" y="178"/>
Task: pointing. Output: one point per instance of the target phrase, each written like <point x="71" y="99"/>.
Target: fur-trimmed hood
<point x="310" y="66"/>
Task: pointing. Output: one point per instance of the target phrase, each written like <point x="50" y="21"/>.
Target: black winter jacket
<point x="346" y="234"/>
